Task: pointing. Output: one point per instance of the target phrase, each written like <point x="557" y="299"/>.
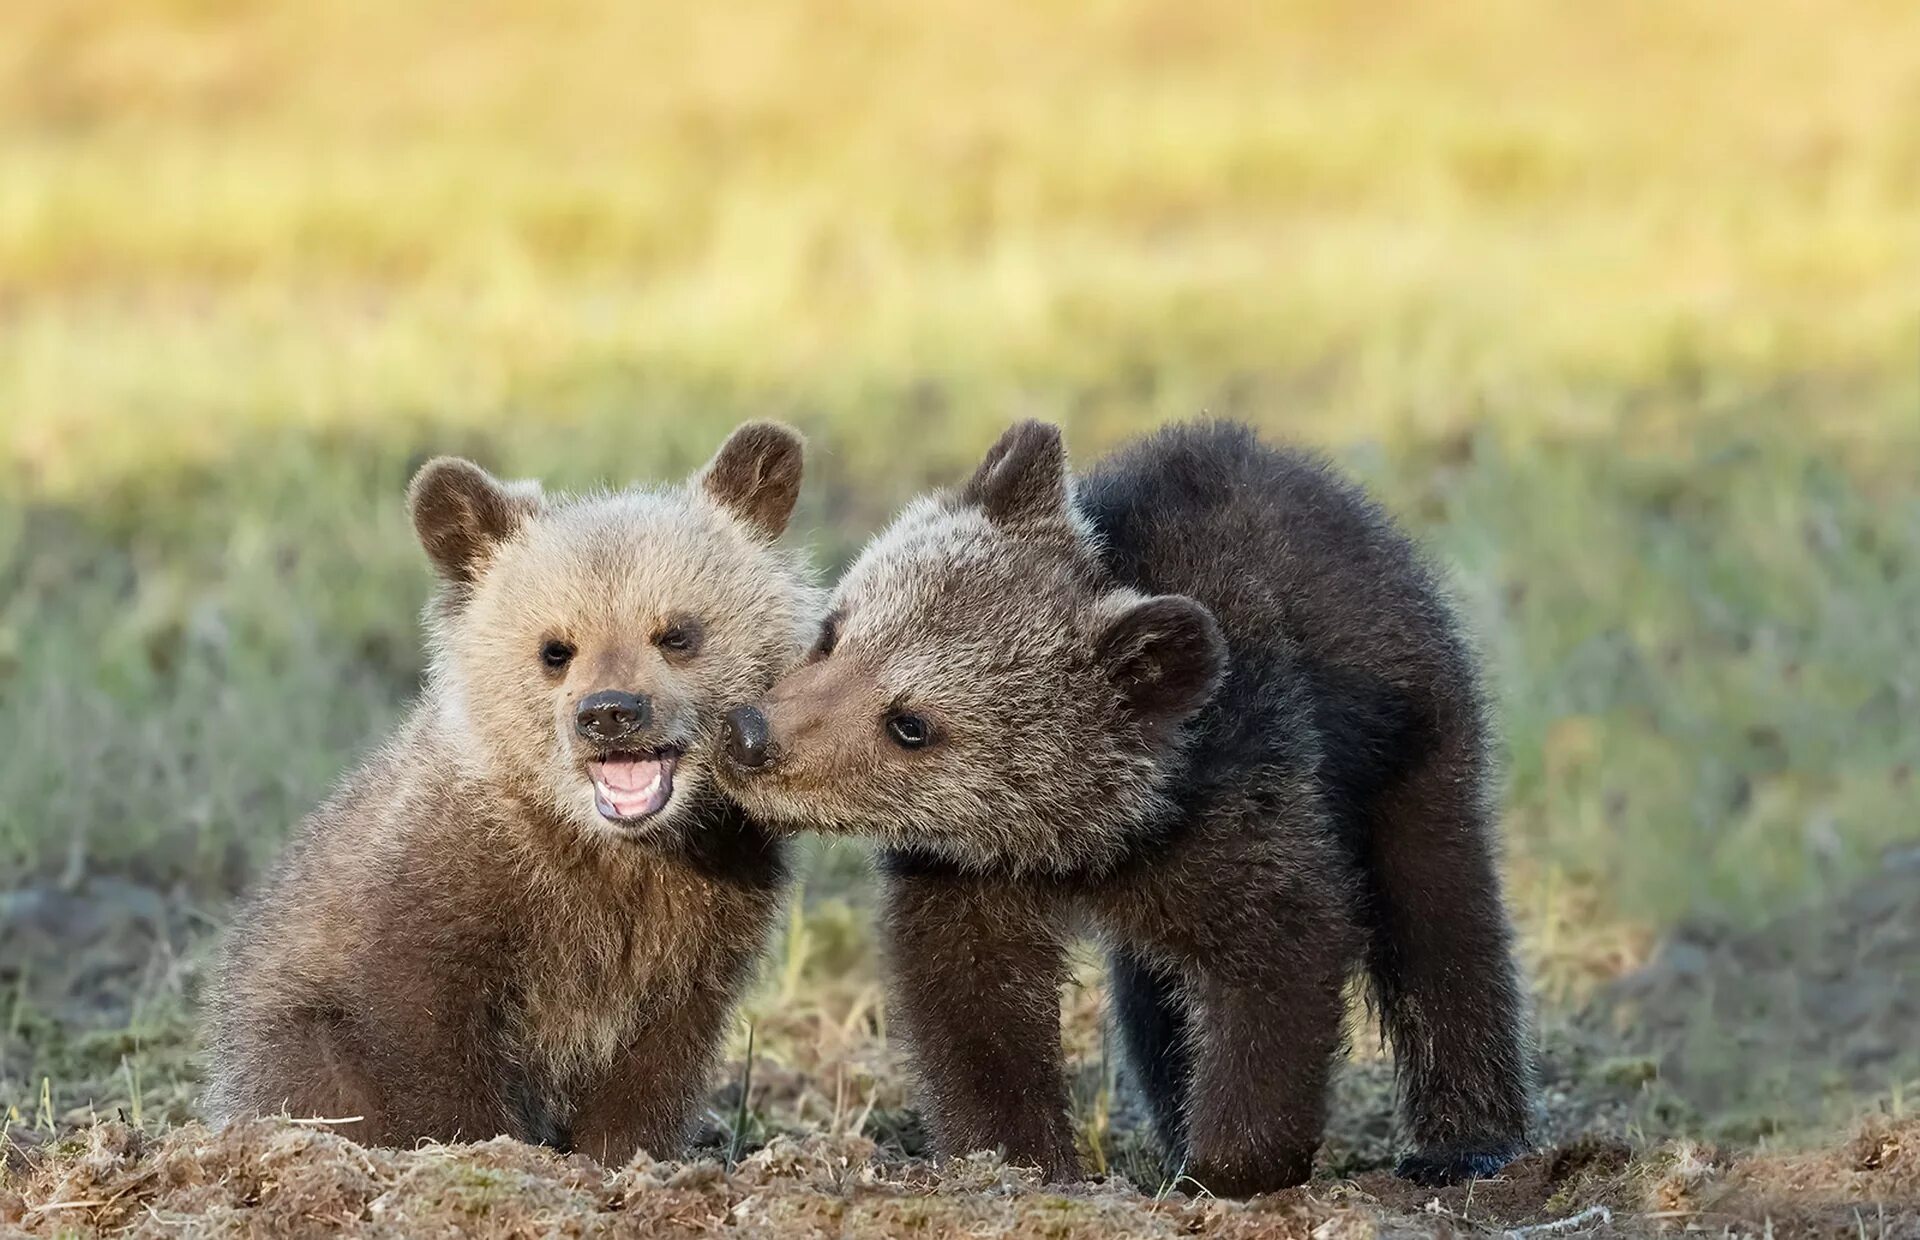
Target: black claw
<point x="1452" y="1164"/>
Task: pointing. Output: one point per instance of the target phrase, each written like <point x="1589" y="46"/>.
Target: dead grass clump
<point x="1548" y="1185"/>
<point x="1678" y="1174"/>
<point x="122" y="1177"/>
<point x="1868" y="1186"/>
<point x="284" y="1178"/>
<point x="1871" y="1182"/>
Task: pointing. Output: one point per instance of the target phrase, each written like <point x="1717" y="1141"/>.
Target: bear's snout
<point x="611" y="716"/>
<point x="749" y="737"/>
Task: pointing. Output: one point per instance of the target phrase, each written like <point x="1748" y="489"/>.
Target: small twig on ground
<point x="164" y="1222"/>
<point x="51" y="1206"/>
<point x="1592" y="1214"/>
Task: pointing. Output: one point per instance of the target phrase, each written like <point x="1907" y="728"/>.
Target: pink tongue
<point x="632" y="787"/>
<point x="628" y="774"/>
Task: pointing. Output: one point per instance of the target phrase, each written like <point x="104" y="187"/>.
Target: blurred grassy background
<point x="1619" y="306"/>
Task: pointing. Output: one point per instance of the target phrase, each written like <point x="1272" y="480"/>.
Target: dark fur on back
<point x="1290" y="789"/>
<point x="1326" y="608"/>
<point x="1345" y="661"/>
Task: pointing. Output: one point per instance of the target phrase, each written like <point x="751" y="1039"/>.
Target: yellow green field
<point x="1617" y="306"/>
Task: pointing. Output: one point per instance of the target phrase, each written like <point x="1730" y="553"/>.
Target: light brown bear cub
<point x="531" y="912"/>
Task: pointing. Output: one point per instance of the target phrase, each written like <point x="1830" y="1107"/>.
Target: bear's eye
<point x="909" y="731"/>
<point x="682" y="637"/>
<point x="556" y="654"/>
<point x="829" y="637"/>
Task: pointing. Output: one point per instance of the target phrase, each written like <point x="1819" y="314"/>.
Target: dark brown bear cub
<point x="532" y="911"/>
<point x="1207" y="703"/>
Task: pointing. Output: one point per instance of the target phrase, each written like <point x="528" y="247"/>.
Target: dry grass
<point x="270" y="1178"/>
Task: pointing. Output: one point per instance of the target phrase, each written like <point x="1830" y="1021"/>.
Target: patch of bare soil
<point x="1765" y="1028"/>
<point x="95" y="1001"/>
<point x="279" y="1178"/>
<point x="81" y="952"/>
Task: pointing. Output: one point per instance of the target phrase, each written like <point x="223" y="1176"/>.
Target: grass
<point x="1615" y="306"/>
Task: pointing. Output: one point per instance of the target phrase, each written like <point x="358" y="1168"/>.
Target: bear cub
<point x="532" y="911"/>
<point x="1207" y="703"/>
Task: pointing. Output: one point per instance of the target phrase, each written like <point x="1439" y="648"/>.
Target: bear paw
<point x="1450" y="1164"/>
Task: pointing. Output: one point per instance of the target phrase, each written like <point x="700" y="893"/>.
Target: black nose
<point x="748" y="736"/>
<point x="610" y="715"/>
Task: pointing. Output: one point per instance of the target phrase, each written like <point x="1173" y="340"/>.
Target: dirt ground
<point x="1742" y="1082"/>
<point x="278" y="1178"/>
<point x="1795" y="1020"/>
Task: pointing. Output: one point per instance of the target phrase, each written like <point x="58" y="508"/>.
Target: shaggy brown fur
<point x="530" y="912"/>
<point x="1208" y="704"/>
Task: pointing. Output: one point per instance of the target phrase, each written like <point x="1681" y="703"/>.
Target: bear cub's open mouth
<point x="628" y="787"/>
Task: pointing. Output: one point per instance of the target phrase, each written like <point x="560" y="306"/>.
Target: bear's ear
<point x="461" y="513"/>
<point x="1164" y="653"/>
<point x="756" y="475"/>
<point x="1023" y="478"/>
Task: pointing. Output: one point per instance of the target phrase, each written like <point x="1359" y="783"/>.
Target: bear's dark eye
<point x="909" y="731"/>
<point x="829" y="637"/>
<point x="556" y="654"/>
<point x="682" y="637"/>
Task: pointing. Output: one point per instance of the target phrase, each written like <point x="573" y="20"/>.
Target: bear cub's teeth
<point x="630" y="786"/>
